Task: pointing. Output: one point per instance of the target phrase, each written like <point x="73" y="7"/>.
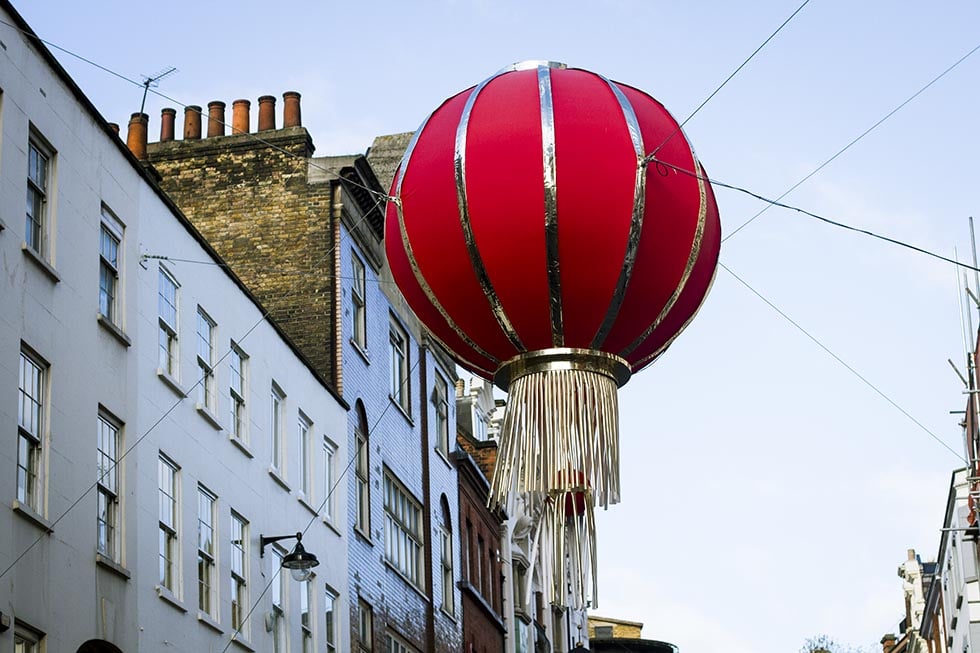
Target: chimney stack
<point x="290" y="109"/>
<point x="239" y="116"/>
<point x="114" y="126"/>
<point x="168" y="117"/>
<point x="888" y="643"/>
<point x="216" y="118"/>
<point x="136" y="137"/>
<point x="267" y="112"/>
<point x="192" y="123"/>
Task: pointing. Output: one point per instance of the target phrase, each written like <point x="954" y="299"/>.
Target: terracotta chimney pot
<point x="267" y="112"/>
<point x="168" y="117"/>
<point x="136" y="136"/>
<point x="239" y="116"/>
<point x="888" y="643"/>
<point x="192" y="123"/>
<point x="216" y="118"/>
<point x="290" y="109"/>
<point x="114" y="126"/>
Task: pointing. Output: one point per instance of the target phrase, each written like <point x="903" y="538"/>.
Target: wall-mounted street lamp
<point x="300" y="562"/>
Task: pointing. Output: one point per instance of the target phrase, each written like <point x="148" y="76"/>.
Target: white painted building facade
<point x="102" y="352"/>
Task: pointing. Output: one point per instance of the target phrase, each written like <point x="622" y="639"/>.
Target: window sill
<point x="171" y="383"/>
<point x="363" y="352"/>
<point x="208" y="416"/>
<point x="243" y="643"/>
<point x="39" y="261"/>
<point x="444" y="457"/>
<point x="365" y="537"/>
<point x="306" y="504"/>
<point x="111" y="565"/>
<point x="401" y="409"/>
<point x="28" y="513"/>
<point x="406" y="580"/>
<point x="329" y="524"/>
<point x="274" y="473"/>
<point x="209" y="621"/>
<point x="469" y="588"/>
<point x="241" y="446"/>
<point x="169" y="598"/>
<point x="114" y="330"/>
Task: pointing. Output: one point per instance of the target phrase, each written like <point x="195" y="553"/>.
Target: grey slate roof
<point x="385" y="154"/>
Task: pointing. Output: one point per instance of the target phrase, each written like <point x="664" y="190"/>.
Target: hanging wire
<point x="840" y="360"/>
<point x="715" y="182"/>
<point x="727" y="79"/>
<point x="853" y="142"/>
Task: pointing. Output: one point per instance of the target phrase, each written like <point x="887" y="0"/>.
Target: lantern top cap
<point x="531" y="64"/>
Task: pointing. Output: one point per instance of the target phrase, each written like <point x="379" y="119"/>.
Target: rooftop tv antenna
<point x="154" y="81"/>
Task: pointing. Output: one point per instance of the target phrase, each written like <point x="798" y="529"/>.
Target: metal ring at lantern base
<point x="562" y="358"/>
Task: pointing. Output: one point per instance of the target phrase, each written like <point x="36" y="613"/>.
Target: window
<point x="480" y="425"/>
<point x="330" y="620"/>
<point x="168" y="523"/>
<point x="305" y="623"/>
<point x="167" y="308"/>
<point x="446" y="559"/>
<point x="38" y="173"/>
<point x="239" y="572"/>
<point x="30" y="424"/>
<point x="108" y="487"/>
<point x="365" y="627"/>
<point x="403" y="531"/>
<point x="358" y="297"/>
<point x="303" y="428"/>
<point x="27" y="640"/>
<point x="399" y="387"/>
<point x="480" y="561"/>
<point x="238" y="419"/>
<point x="329" y="478"/>
<point x="205" y="359"/>
<point x="205" y="551"/>
<point x="279" y="591"/>
<point x="520" y="588"/>
<point x="395" y="644"/>
<point x="363" y="474"/>
<point x="440" y="402"/>
<point x="109" y="239"/>
<point x="275" y="429"/>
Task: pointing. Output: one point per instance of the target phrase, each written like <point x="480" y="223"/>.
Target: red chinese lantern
<point x="530" y="233"/>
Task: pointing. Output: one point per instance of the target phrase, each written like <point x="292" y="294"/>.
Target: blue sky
<point x="769" y="495"/>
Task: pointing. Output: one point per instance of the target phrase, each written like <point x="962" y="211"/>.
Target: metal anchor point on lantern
<point x="530" y="237"/>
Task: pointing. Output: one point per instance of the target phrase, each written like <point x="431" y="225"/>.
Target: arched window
<point x="98" y="646"/>
<point x="446" y="559"/>
<point x="362" y="471"/>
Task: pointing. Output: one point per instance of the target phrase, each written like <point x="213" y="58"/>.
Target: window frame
<point x="277" y="418"/>
<point x="33" y="638"/>
<point x="359" y="302"/>
<point x="109" y="270"/>
<point x="329" y="479"/>
<point x="399" y="362"/>
<point x="239" y="577"/>
<point x="448" y="603"/>
<point x="238" y="408"/>
<point x="205" y="358"/>
<point x="404" y="540"/>
<point x="330" y="597"/>
<point x="440" y="402"/>
<point x="278" y="596"/>
<point x="169" y="533"/>
<point x="37" y="236"/>
<point x="169" y="336"/>
<point x="306" y="603"/>
<point x="394" y="643"/>
<point x="207" y="553"/>
<point x="304" y="434"/>
<point x="31" y="437"/>
<point x="107" y="540"/>
<point x="365" y="627"/>
<point x="362" y="474"/>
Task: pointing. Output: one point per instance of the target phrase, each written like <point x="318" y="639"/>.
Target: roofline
<point x="50" y="59"/>
<point x="616" y="621"/>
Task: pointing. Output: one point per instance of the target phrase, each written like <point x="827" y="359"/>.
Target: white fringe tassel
<point x="565" y="538"/>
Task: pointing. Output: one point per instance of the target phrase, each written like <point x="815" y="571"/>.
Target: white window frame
<point x="396" y="644"/>
<point x="108" y="485"/>
<point x="238" y="391"/>
<point x="362" y="472"/>
<point x="330" y="618"/>
<point x="238" y="569"/>
<point x="278" y="594"/>
<point x="399" y="361"/>
<point x="446" y="569"/>
<point x="277" y="420"/>
<point x="440" y="402"/>
<point x="365" y="627"/>
<point x="37" y="228"/>
<point x="169" y="524"/>
<point x="304" y="435"/>
<point x="404" y="533"/>
<point x="27" y="639"/>
<point x="110" y="263"/>
<point x="32" y="412"/>
<point x="169" y="352"/>
<point x="306" y="602"/>
<point x="206" y="327"/>
<point x="329" y="479"/>
<point x="207" y="553"/>
<point x="359" y="301"/>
